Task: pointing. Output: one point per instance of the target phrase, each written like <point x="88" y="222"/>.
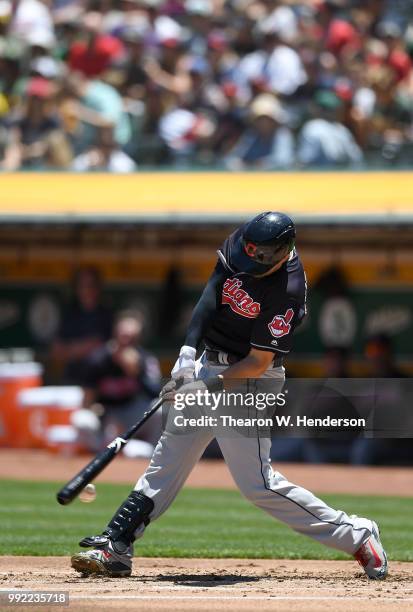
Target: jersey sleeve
<point x="273" y="329"/>
<point x="206" y="306"/>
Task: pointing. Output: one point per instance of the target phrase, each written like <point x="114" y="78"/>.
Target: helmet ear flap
<point x="250" y="249"/>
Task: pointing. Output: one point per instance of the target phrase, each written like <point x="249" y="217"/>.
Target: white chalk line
<point x="180" y="587"/>
<point x="91" y="587"/>
<point x="241" y="598"/>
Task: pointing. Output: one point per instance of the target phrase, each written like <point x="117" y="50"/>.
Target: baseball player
<point x="245" y="318"/>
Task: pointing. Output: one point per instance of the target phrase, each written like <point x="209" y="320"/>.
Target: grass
<point x="201" y="523"/>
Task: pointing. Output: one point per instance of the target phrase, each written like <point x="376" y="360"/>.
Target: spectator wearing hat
<point x="268" y="143"/>
<point x="41" y="42"/>
<point x="32" y="22"/>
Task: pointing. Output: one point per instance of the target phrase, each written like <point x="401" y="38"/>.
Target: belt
<point x="217" y="357"/>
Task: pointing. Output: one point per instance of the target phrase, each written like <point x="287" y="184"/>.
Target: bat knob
<point x="62" y="499"/>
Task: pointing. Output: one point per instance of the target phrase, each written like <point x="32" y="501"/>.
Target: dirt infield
<point x="160" y="585"/>
<point x="221" y="585"/>
<point x="40" y="465"/>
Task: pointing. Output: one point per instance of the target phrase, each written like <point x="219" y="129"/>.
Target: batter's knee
<point x="254" y="492"/>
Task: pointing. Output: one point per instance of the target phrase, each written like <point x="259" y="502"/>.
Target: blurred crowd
<point x="115" y="85"/>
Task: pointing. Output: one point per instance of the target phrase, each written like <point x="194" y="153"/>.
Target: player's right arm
<point x="200" y="319"/>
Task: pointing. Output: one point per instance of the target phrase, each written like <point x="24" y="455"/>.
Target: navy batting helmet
<point x="262" y="243"/>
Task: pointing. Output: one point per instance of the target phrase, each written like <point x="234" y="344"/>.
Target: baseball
<point x="88" y="494"/>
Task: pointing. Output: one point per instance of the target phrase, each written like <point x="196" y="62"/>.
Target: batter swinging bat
<point x="102" y="459"/>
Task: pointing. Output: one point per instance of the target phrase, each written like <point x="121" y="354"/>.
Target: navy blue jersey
<point x="257" y="312"/>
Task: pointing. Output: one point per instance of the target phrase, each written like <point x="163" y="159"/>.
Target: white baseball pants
<point x="248" y="460"/>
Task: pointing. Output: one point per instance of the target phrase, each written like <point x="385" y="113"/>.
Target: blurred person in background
<point x="267" y="144"/>
<point x="86" y="325"/>
<point x="381" y="363"/>
<point x="231" y="121"/>
<point x="40" y="43"/>
<point x="323" y="140"/>
<point x="32" y="21"/>
<point x="135" y="77"/>
<point x="275" y="63"/>
<point x="10" y="57"/>
<point x="336" y="362"/>
<point x="221" y="56"/>
<point x="94" y="52"/>
<point x="332" y="449"/>
<point x="6" y="12"/>
<point x="184" y="133"/>
<point x="121" y="379"/>
<point x="380" y="357"/>
<point x="321" y="450"/>
<point x="105" y="156"/>
<point x="91" y="105"/>
<point x="168" y="68"/>
<point x="35" y="139"/>
<point x="200" y="14"/>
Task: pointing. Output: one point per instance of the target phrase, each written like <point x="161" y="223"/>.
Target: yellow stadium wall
<point x="219" y="194"/>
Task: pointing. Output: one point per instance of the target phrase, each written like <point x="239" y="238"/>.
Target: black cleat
<point x="112" y="559"/>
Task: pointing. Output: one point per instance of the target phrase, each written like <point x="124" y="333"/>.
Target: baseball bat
<point x="74" y="486"/>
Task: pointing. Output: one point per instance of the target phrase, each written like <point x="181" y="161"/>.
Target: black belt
<point x="217" y="357"/>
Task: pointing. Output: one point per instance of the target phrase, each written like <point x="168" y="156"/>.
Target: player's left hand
<point x="170" y="388"/>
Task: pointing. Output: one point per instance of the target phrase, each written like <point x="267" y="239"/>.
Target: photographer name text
<point x="226" y="420"/>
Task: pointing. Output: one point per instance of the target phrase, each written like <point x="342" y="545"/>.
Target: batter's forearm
<point x="200" y="320"/>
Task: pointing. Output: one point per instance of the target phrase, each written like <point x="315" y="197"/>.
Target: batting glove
<point x="185" y="364"/>
<point x="170" y="387"/>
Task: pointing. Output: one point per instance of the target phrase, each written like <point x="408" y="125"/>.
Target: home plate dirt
<point x="215" y="585"/>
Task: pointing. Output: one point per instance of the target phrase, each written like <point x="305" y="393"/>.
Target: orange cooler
<point x="45" y="408"/>
<point x="14" y="377"/>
